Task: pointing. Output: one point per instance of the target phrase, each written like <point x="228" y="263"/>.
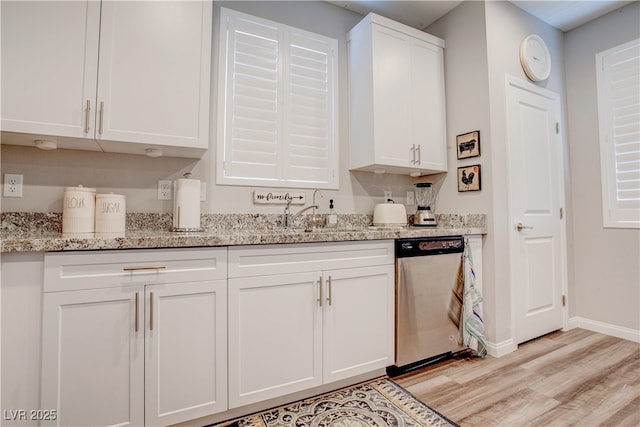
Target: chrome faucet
<point x="288" y="217"/>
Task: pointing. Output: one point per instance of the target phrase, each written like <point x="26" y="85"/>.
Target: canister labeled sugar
<point x="110" y="213"/>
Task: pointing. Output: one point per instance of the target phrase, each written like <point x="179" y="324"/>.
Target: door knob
<point x="520" y="227"/>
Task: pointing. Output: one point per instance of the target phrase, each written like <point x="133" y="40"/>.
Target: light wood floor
<point x="575" y="378"/>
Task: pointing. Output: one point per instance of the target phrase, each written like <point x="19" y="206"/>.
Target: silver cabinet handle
<point x="87" y="117"/>
<point x="413" y="154"/>
<point x="151" y="311"/>
<point x="145" y="267"/>
<point x="320" y="291"/>
<point x="329" y="284"/>
<point x="101" y="117"/>
<point x="137" y="311"/>
<point x="419" y="161"/>
<point x="520" y="227"/>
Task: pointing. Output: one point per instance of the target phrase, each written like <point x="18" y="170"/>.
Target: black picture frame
<point x="468" y="145"/>
<point x="469" y="178"/>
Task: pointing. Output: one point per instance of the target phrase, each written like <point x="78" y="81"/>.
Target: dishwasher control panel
<point x="426" y="246"/>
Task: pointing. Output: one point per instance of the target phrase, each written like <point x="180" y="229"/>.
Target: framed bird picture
<point x="469" y="178"/>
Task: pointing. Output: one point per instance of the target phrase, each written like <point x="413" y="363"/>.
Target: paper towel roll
<point x="186" y="205"/>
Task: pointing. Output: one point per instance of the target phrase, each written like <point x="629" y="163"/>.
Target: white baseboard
<point x="605" y="328"/>
<point x="502" y="348"/>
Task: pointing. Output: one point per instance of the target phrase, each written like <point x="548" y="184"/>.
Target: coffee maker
<point x="426" y="198"/>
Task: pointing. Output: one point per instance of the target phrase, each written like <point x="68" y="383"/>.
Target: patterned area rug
<point x="379" y="403"/>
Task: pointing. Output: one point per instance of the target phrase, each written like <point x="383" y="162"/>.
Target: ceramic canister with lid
<point x="110" y="213"/>
<point x="78" y="210"/>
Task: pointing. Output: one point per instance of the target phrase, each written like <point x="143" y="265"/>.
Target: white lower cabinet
<point x="296" y="325"/>
<point x="142" y="349"/>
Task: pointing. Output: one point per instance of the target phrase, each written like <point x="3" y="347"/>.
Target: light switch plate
<point x="411" y="199"/>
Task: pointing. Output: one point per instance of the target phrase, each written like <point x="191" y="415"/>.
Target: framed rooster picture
<point x="469" y="178"/>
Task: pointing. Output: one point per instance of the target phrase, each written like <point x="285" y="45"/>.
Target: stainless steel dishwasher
<point x="427" y="300"/>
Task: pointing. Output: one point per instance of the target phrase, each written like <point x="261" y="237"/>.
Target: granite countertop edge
<point x="54" y="242"/>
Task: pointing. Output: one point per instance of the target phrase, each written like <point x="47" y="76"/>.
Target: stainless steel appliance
<point x="426" y="301"/>
<point x="426" y="198"/>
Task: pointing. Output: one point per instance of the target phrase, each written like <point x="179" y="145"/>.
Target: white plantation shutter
<point x="277" y="105"/>
<point x="618" y="77"/>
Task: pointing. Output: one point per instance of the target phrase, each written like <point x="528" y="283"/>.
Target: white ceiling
<point x="562" y="14"/>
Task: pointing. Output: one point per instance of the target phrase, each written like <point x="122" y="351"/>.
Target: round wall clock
<point x="535" y="58"/>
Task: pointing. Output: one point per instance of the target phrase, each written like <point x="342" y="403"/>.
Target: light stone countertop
<point x="28" y="232"/>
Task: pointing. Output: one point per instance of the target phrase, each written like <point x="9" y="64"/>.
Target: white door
<point x="535" y="192"/>
<point x="93" y="357"/>
<point x="275" y="336"/>
<point x="358" y="324"/>
<point x="185" y="351"/>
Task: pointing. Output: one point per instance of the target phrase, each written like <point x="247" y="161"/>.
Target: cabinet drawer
<point x="100" y="269"/>
<point x="246" y="261"/>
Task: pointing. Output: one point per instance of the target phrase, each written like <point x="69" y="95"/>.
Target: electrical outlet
<point x="387" y="195"/>
<point x="12" y="185"/>
<point x="164" y="190"/>
<point x="411" y="199"/>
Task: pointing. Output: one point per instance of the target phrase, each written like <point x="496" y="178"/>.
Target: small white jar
<point x="78" y="210"/>
<point x="110" y="213"/>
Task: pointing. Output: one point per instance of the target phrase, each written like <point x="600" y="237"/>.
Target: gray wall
<point x="607" y="272"/>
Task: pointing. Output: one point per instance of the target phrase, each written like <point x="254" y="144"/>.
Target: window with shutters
<point x="618" y="80"/>
<point x="277" y="111"/>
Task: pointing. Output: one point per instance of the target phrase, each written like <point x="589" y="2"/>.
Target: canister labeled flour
<point x="78" y="210"/>
<point x="110" y="213"/>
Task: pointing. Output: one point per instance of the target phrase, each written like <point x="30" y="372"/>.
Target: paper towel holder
<point x="177" y="211"/>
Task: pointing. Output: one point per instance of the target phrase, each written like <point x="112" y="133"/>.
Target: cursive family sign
<point x="278" y="197"/>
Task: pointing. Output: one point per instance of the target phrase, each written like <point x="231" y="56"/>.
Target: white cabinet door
<point x="49" y="67"/>
<point x="186" y="351"/>
<point x="428" y="106"/>
<point x="358" y="324"/>
<point x="153" y="81"/>
<point x="93" y="357"/>
<point x="393" y="89"/>
<point x="275" y="336"/>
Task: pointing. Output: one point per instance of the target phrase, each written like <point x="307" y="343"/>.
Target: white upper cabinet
<point x="397" y="100"/>
<point x="129" y="75"/>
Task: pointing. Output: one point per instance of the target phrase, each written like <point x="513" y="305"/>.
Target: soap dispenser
<point x="332" y="218"/>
